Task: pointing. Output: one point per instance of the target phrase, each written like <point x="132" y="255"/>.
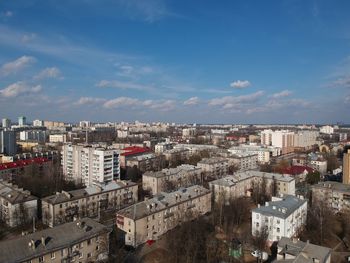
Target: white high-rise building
<point x="6" y="123"/>
<point x="327" y="129"/>
<point x="38" y="123"/>
<point x="22" y="121"/>
<point x="90" y="164"/>
<point x="8" y="144"/>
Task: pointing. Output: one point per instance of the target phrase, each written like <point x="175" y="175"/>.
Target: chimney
<point x="266" y="203"/>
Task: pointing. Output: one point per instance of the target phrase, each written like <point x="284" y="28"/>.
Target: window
<point x="278" y="221"/>
<point x="97" y="247"/>
<point x="41" y="259"/>
<point x="89" y="255"/>
<point x="53" y="255"/>
<point x="89" y="242"/>
<point x="81" y="255"/>
<point x="278" y="229"/>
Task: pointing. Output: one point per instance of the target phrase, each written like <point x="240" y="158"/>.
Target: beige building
<point x="146" y="162"/>
<point x="335" y="195"/>
<point x="89" y="202"/>
<point x="244" y="161"/>
<point x="150" y="219"/>
<point x="172" y="178"/>
<point x="346" y="168"/>
<point x="215" y="167"/>
<point x="58" y="138"/>
<point x="17" y="206"/>
<point x="241" y="184"/>
<point x="81" y="241"/>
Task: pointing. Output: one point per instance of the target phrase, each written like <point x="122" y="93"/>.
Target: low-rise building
<point x="320" y="165"/>
<point x="150" y="219"/>
<point x="196" y="148"/>
<point x="176" y="155"/>
<point x="171" y="178"/>
<point x="146" y="162"/>
<point x="84" y="240"/>
<point x="215" y="167"/>
<point x="88" y="202"/>
<point x="264" y="152"/>
<point x="162" y="147"/>
<point x="244" y="161"/>
<point x="58" y="138"/>
<point x="17" y="206"/>
<point x="293" y="250"/>
<point x="282" y="217"/>
<point x="333" y="194"/>
<point x="242" y="184"/>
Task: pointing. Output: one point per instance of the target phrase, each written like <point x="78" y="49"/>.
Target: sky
<point x="242" y="61"/>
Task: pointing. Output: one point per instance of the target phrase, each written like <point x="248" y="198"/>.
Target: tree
<point x="313" y="178"/>
<point x="260" y="238"/>
<point x="260" y="191"/>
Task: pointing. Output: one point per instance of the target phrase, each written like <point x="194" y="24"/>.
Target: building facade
<point x="150" y="219"/>
<point x="89" y="202"/>
<point x="17" y="206"/>
<point x="84" y="240"/>
<point x="171" y="178"/>
<point x="282" y="217"/>
<point x="216" y="167"/>
<point x="90" y="164"/>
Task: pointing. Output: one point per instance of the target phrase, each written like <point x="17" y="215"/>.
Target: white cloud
<point x="16" y="65"/>
<point x="121" y="85"/>
<point x="240" y="84"/>
<point x="341" y="82"/>
<point x="47" y="73"/>
<point x="163" y="105"/>
<point x="89" y="100"/>
<point x="192" y="101"/>
<point x="234" y="101"/>
<point x="19" y="88"/>
<point x="121" y="102"/>
<point x="28" y="37"/>
<point x="282" y="94"/>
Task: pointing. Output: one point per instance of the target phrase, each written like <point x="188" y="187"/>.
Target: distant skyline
<point x="281" y="61"/>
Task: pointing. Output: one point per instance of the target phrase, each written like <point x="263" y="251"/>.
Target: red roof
<point x="297" y="169"/>
<point x="22" y="163"/>
<point x="135" y="150"/>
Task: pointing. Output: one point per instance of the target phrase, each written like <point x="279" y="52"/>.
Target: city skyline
<point x="174" y="61"/>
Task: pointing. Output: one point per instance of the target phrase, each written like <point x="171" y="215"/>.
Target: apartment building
<point x="189" y="132"/>
<point x="146" y="162"/>
<point x="150" y="219"/>
<point x="88" y="202"/>
<point x="58" y="138"/>
<point x="327" y="129"/>
<point x="241" y="184"/>
<point x="196" y="148"/>
<point x="8" y="144"/>
<point x="295" y="251"/>
<point x="335" y="195"/>
<point x="172" y="178"/>
<point x="176" y="155"/>
<point x="288" y="140"/>
<point x="131" y="152"/>
<point x="90" y="164"/>
<point x="283" y="139"/>
<point x="33" y="135"/>
<point x="84" y="240"/>
<point x="215" y="167"/>
<point x="162" y="147"/>
<point x="17" y="206"/>
<point x="244" y="161"/>
<point x="282" y="217"/>
<point x="264" y="152"/>
<point x="346" y="167"/>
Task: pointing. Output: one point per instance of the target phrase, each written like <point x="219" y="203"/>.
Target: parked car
<point x="260" y="254"/>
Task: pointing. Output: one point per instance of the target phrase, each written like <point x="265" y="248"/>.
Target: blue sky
<point x="282" y="61"/>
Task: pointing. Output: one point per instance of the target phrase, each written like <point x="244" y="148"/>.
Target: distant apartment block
<point x="282" y="217"/>
<point x="215" y="167"/>
<point x="189" y="132"/>
<point x="333" y="194"/>
<point x="58" y="138"/>
<point x="346" y="168"/>
<point x="34" y="135"/>
<point x="181" y="176"/>
<point x="88" y="202"/>
<point x="264" y="152"/>
<point x="146" y="162"/>
<point x="84" y="240"/>
<point x="244" y="161"/>
<point x="196" y="148"/>
<point x="8" y="144"/>
<point x="241" y="184"/>
<point x="90" y="164"/>
<point x="295" y="251"/>
<point x="150" y="219"/>
<point x="6" y="123"/>
<point x="17" y="206"/>
<point x="327" y="129"/>
<point x="38" y="123"/>
<point x="131" y="152"/>
<point x="162" y="147"/>
<point x="176" y="155"/>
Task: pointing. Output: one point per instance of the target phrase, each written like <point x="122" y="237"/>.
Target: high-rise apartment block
<point x="22" y="121"/>
<point x="346" y="168"/>
<point x="8" y="144"/>
<point x="90" y="164"/>
<point x="6" y="123"/>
